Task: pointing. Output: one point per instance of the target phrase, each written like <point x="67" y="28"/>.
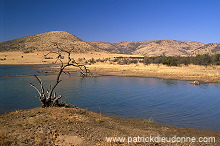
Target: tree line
<point x="204" y="59"/>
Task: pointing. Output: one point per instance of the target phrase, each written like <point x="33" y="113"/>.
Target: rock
<point x="195" y="83"/>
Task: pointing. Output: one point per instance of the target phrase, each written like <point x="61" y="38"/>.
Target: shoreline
<point x="201" y="81"/>
<point x="202" y="74"/>
<point x="77" y="126"/>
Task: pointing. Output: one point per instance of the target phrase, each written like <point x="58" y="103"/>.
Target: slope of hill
<point x="120" y="47"/>
<point x="151" y="48"/>
<point x="211" y="48"/>
<point x="167" y="47"/>
<point x="45" y="41"/>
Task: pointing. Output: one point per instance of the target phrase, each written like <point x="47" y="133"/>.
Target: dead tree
<point x="49" y="97"/>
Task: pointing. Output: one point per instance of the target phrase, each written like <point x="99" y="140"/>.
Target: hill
<point x="45" y="41"/>
<point x="168" y="47"/>
<point x="151" y="48"/>
<point x="211" y="48"/>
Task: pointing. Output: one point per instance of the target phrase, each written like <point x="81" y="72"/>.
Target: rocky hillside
<point x="120" y="47"/>
<point x="111" y="47"/>
<point x="167" y="47"/>
<point x="151" y="48"/>
<point x="45" y="41"/>
<point x="211" y="48"/>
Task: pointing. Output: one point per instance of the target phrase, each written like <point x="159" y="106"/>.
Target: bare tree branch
<point x="36" y="89"/>
<point x="52" y="99"/>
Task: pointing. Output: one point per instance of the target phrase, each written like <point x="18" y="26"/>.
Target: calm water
<point x="168" y="102"/>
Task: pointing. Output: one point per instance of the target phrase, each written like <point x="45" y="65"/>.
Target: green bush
<point x="170" y="61"/>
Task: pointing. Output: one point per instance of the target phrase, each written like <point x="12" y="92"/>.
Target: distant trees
<point x="146" y="60"/>
<point x="203" y="59"/>
<point x="216" y="59"/>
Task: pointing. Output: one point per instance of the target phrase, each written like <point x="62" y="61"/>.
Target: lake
<point x="167" y="102"/>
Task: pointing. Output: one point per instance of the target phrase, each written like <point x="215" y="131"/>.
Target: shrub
<point x="48" y="58"/>
<point x="216" y="59"/>
<point x="185" y="60"/>
<point x="28" y="51"/>
<point x="135" y="61"/>
<point x="123" y="61"/>
<point x="170" y="61"/>
<point x="146" y="60"/>
<point x="92" y="61"/>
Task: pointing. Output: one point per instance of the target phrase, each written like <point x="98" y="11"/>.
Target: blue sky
<point x="113" y="20"/>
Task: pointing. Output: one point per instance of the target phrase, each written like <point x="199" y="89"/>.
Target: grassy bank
<point x="108" y="67"/>
<point x="203" y="74"/>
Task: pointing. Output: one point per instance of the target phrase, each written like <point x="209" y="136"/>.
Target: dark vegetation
<point x="204" y="59"/>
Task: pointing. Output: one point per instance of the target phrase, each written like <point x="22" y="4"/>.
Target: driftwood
<point x="49" y="98"/>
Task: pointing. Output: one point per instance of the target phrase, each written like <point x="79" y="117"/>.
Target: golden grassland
<point x="190" y="72"/>
<point x="17" y="57"/>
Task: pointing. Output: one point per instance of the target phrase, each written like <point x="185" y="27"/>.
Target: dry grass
<point x="191" y="72"/>
<point x="15" y="57"/>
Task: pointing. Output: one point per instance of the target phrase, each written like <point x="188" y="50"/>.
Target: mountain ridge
<point x="45" y="42"/>
<point x="160" y="47"/>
